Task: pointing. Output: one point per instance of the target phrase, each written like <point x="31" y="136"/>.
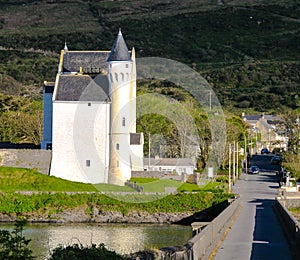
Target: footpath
<point x="256" y="233"/>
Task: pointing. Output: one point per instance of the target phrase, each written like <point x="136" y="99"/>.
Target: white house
<point x="90" y="114"/>
<point x="170" y="165"/>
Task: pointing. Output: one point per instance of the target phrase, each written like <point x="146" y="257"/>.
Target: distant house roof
<point x="265" y="124"/>
<point x="251" y="117"/>
<point x="119" y="50"/>
<point x="81" y="88"/>
<point x="89" y="61"/>
<point x="271" y="118"/>
<point x="169" y="162"/>
<point x="153" y="161"/>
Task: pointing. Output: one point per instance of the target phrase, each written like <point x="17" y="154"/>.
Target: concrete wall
<point x="26" y="158"/>
<point x="290" y="225"/>
<point x="207" y="237"/>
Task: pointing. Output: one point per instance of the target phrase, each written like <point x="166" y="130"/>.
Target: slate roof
<point x="82" y="88"/>
<point x="169" y="162"/>
<point x="119" y="50"/>
<point x="73" y="60"/>
<point x="251" y="117"/>
<point x="266" y="125"/>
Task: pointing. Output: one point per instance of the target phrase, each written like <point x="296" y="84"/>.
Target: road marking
<point x="260" y="242"/>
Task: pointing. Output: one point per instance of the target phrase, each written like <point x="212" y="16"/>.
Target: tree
<point x="292" y="130"/>
<point x="291" y="157"/>
<point x="13" y="245"/>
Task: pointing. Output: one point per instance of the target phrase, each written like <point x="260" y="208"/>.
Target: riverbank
<point x="79" y="215"/>
<point x="181" y="208"/>
<point x="84" y="214"/>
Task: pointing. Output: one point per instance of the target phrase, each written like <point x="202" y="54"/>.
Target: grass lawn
<point x="159" y="185"/>
<point x="20" y="179"/>
<point x="12" y="179"/>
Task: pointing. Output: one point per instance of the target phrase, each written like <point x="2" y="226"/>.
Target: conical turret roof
<point x="119" y="50"/>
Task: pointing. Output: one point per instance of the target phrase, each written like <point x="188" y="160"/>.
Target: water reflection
<point x="122" y="238"/>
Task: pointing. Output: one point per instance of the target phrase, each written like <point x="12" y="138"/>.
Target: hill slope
<point x="248" y="50"/>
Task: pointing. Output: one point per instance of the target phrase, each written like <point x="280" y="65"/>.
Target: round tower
<point x="122" y="81"/>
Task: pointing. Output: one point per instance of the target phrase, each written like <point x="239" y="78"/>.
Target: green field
<point x="24" y="191"/>
<point x="20" y="179"/>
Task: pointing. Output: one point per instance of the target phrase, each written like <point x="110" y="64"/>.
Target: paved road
<point x="256" y="234"/>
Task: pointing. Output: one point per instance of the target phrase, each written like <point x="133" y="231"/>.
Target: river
<point x="122" y="238"/>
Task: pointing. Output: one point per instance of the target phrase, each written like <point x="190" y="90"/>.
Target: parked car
<point x="276" y="160"/>
<point x="277" y="150"/>
<point x="253" y="170"/>
<point x="264" y="151"/>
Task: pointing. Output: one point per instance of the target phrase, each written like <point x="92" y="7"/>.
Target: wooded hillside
<point x="248" y="51"/>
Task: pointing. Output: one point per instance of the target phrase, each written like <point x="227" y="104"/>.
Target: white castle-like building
<point x="90" y="116"/>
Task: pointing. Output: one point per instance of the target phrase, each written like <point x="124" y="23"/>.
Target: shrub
<point x="79" y="252"/>
<point x="13" y="245"/>
<point x="222" y="179"/>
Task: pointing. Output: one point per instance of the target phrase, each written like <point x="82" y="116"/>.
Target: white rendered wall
<point x="123" y="113"/>
<point x="137" y="155"/>
<point x="80" y="150"/>
<point x="47" y="124"/>
<point x="185" y="169"/>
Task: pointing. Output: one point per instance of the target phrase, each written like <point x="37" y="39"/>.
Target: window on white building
<point x="123" y="121"/>
<point x="117" y="146"/>
<point x="88" y="163"/>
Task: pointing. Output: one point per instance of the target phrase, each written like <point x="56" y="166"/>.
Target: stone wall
<point x="26" y="158"/>
<point x="290" y="203"/>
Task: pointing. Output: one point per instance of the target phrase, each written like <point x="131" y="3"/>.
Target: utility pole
<point x="210" y="100"/>
<point x="149" y="144"/>
<point x="246" y="157"/>
<point x="210" y="94"/>
<point x="237" y="159"/>
<point x="233" y="163"/>
<point x="250" y="144"/>
<point x="229" y="170"/>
